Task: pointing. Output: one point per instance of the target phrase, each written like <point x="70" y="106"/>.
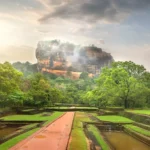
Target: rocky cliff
<point x="65" y="58"/>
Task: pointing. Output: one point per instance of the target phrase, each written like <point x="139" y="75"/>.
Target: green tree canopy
<point x="122" y="85"/>
<point x="84" y="75"/>
<point x="10" y="80"/>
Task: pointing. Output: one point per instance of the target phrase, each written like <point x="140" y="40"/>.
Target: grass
<point x="115" y="119"/>
<point x="53" y="117"/>
<point x="138" y="129"/>
<point x="29" y="126"/>
<point x="107" y="111"/>
<point x="15" y="140"/>
<point x="98" y="137"/>
<point x="93" y="114"/>
<point x="35" y="117"/>
<point x="144" y="112"/>
<point x="78" y="138"/>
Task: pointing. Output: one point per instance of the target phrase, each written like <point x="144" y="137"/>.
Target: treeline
<point x="38" y="90"/>
<point x="26" y="68"/>
<point x="125" y="84"/>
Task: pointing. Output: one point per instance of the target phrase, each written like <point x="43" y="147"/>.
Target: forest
<point x="124" y="84"/>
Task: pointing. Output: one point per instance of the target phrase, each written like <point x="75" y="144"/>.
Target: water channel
<point x="123" y="141"/>
<point x="6" y="130"/>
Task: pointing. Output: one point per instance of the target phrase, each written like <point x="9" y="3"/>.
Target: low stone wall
<point x="110" y="127"/>
<point x="146" y="127"/>
<point x="70" y="109"/>
<point x="115" y="109"/>
<point x="107" y="113"/>
<point x="136" y="117"/>
<point x="32" y="112"/>
<point x="7" y="112"/>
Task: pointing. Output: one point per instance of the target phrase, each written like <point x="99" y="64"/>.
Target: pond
<point x="6" y="130"/>
<point x="123" y="141"/>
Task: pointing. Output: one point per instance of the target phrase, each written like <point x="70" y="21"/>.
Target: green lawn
<point x="144" y="112"/>
<point x="15" y="140"/>
<point x="29" y="126"/>
<point x="36" y="117"/>
<point x="138" y="129"/>
<point x="78" y="138"/>
<point x="98" y="137"/>
<point x="115" y="119"/>
<point x="53" y="117"/>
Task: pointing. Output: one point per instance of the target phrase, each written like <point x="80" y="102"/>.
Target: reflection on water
<point x="6" y="131"/>
<point x="123" y="141"/>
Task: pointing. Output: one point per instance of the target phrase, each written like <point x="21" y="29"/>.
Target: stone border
<point x="136" y="117"/>
<point x="138" y="136"/>
<point x="146" y="127"/>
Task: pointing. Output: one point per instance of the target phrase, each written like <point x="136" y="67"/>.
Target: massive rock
<point x="61" y="58"/>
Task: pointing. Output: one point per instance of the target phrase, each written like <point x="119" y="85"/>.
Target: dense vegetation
<point x="125" y="84"/>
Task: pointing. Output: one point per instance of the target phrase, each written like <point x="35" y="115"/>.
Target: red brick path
<point x="53" y="137"/>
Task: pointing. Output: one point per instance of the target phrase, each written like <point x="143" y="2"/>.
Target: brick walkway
<point x="53" y="137"/>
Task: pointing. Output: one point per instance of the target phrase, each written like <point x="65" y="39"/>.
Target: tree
<point x="72" y="92"/>
<point x="16" y="99"/>
<point x="84" y="75"/>
<point x="10" y="80"/>
<point x="118" y="87"/>
<point x="59" y="79"/>
<point x="39" y="90"/>
<point x="133" y="69"/>
<point x="69" y="74"/>
<point x="26" y="68"/>
<point x="141" y="74"/>
<point x="55" y="96"/>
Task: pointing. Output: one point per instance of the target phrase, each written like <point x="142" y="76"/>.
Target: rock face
<point x="65" y="58"/>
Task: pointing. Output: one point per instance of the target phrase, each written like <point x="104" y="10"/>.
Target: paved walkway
<point x="53" y="137"/>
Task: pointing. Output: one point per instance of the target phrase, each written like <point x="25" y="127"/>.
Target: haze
<point x="120" y="27"/>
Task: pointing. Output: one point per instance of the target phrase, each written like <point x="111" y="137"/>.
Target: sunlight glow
<point x="7" y="34"/>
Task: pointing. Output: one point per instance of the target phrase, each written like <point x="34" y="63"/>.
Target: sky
<point x="120" y="27"/>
